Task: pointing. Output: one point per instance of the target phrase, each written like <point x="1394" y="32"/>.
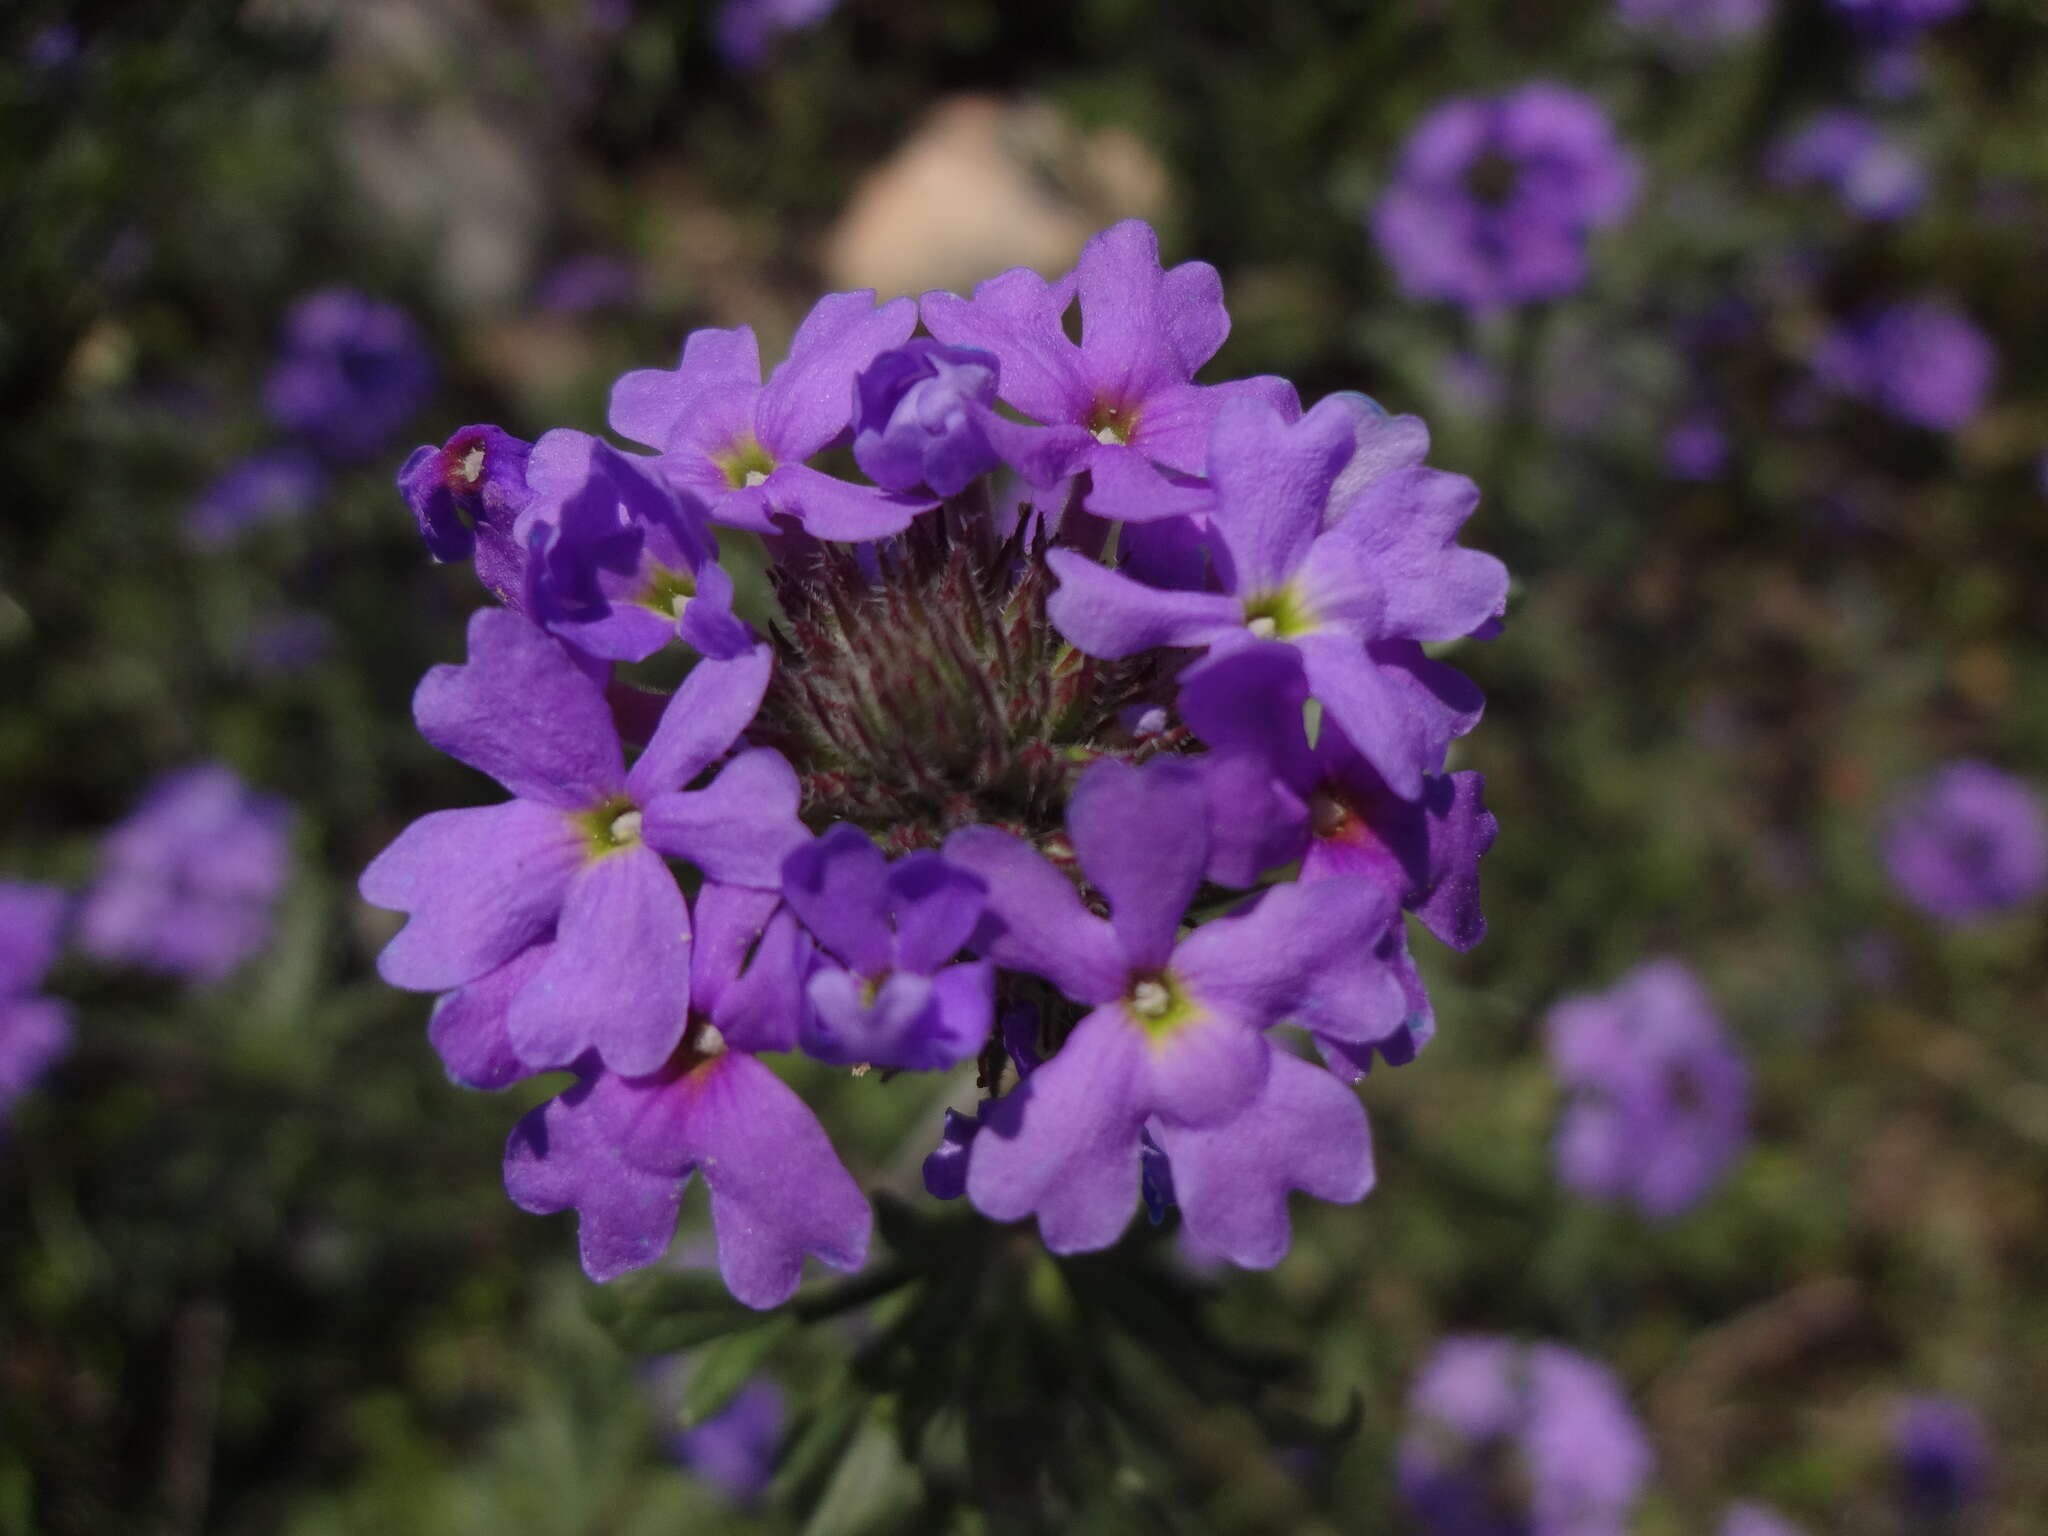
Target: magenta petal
<point x="738" y="828"/>
<point x="520" y="711"/>
<point x="839" y="510"/>
<point x="704" y="717"/>
<point x="1017" y="316"/>
<point x="1064" y="1143"/>
<point x="839" y="886"/>
<point x="1305" y="953"/>
<point x="1272" y="480"/>
<point x="778" y="1190"/>
<point x="1141" y="835"/>
<point x="480" y="885"/>
<point x="468" y="1026"/>
<point x="1109" y="615"/>
<point x="567" y="1154"/>
<point x="1034" y="920"/>
<point x="808" y="399"/>
<point x="619" y="979"/>
<point x="1304" y="1131"/>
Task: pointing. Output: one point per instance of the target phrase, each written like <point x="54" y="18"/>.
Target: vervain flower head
<point x="351" y="372"/>
<point x="1922" y="363"/>
<point x="1968" y="843"/>
<point x="1098" y="748"/>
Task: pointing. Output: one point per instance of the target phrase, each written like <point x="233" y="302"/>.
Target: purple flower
<point x="1494" y="198"/>
<point x="1755" y="1520"/>
<point x="925" y="420"/>
<point x="1659" y="1102"/>
<point x="747" y="28"/>
<point x="588" y="282"/>
<point x="269" y="487"/>
<point x="188" y="882"/>
<point x="619" y="1150"/>
<point x="1944" y="1455"/>
<point x="1354" y="599"/>
<point x="1511" y="1439"/>
<point x="1129" y="381"/>
<point x="1696" y="21"/>
<point x="734" y="1451"/>
<point x="350" y="373"/>
<point x="1887" y="20"/>
<point x="1872" y="174"/>
<point x="894" y="1001"/>
<point x="618" y="564"/>
<point x="739" y="445"/>
<point x="1275" y="799"/>
<point x="578" y="853"/>
<point x="1696" y="449"/>
<point x="1968" y="843"/>
<point x="466" y="496"/>
<point x="1923" y="362"/>
<point x="34" y="1030"/>
<point x="1174" y="1042"/>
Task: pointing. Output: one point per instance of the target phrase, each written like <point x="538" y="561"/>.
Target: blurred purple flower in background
<point x="285" y="642"/>
<point x="53" y="46"/>
<point x="1756" y="1520"/>
<point x="1696" y="448"/>
<point x="268" y="487"/>
<point x="34" y="1030"/>
<point x="351" y="371"/>
<point x="588" y="282"/>
<point x="1696" y="21"/>
<point x="187" y="883"/>
<point x="1659" y="1096"/>
<point x="1494" y="197"/>
<point x="1888" y="19"/>
<point x="1512" y="1439"/>
<point x="1968" y="843"/>
<point x="1874" y="175"/>
<point x="1921" y="362"/>
<point x="734" y="1450"/>
<point x="748" y="28"/>
<point x="1944" y="1455"/>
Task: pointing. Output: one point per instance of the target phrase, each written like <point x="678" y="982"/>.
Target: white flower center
<point x="626" y="829"/>
<point x="755" y="477"/>
<point x="1151" y="999"/>
<point x="473" y="464"/>
<point x="1263" y="627"/>
<point x="709" y="1041"/>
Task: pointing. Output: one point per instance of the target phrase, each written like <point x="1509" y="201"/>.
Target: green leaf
<point x="656" y="1314"/>
<point x="728" y="1365"/>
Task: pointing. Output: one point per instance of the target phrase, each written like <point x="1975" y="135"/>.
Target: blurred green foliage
<point x="259" y="1273"/>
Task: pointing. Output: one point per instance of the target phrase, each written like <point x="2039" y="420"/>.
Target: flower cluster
<point x="34" y="1030"/>
<point x="1968" y="843"/>
<point x="1921" y="362"/>
<point x="1093" y="738"/>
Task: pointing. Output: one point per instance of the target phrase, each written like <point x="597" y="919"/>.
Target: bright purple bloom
<point x="34" y="1030"/>
<point x="350" y="373"/>
<point x="1696" y="449"/>
<point x="1511" y="1439"/>
<point x="1494" y="198"/>
<point x="1923" y="362"/>
<point x="188" y="882"/>
<point x="619" y="1150"/>
<point x="1174" y="1042"/>
<point x="748" y="28"/>
<point x="1845" y="151"/>
<point x="1969" y="843"/>
<point x="270" y="487"/>
<point x="1354" y="598"/>
<point x="1755" y="1520"/>
<point x="926" y="421"/>
<point x="466" y="496"/>
<point x="1275" y="799"/>
<point x="618" y="564"/>
<point x="1659" y="1095"/>
<point x="739" y="445"/>
<point x="1696" y="21"/>
<point x="735" y="1450"/>
<point x="894" y="1000"/>
<point x="1887" y="20"/>
<point x="1145" y="330"/>
<point x="1944" y="1455"/>
<point x="578" y="853"/>
<point x="588" y="282"/>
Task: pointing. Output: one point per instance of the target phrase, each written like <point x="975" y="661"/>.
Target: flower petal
<point x="737" y="829"/>
<point x="567" y="1153"/>
<point x="830" y="508"/>
<point x="718" y="699"/>
<point x="935" y="907"/>
<point x="1272" y="480"/>
<point x="1034" y="920"/>
<point x="808" y="399"/>
<point x="468" y="1025"/>
<point x="1142" y="836"/>
<point x="839" y="885"/>
<point x="1304" y="953"/>
<point x="1017" y="316"/>
<point x="1109" y="615"/>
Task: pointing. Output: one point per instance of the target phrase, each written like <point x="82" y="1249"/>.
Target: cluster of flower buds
<point x="1093" y="738"/>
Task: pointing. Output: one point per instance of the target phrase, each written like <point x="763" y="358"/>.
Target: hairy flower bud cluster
<point x="1093" y="741"/>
